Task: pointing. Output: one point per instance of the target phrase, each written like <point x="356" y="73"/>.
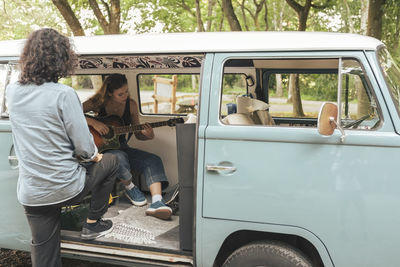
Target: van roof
<point x="163" y="43"/>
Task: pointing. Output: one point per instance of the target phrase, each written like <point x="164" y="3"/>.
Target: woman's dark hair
<point x="47" y="56"/>
<point x="110" y="84"/>
<point x="113" y="82"/>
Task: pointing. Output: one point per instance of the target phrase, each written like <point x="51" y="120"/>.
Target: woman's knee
<point x="154" y="159"/>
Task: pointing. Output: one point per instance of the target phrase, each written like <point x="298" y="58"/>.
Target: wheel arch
<point x="243" y="237"/>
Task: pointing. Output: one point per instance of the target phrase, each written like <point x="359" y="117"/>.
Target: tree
<point x="391" y="26"/>
<point x="113" y="11"/>
<point x="375" y="14"/>
<point x="200" y="24"/>
<point x="69" y="16"/>
<point x="254" y="14"/>
<point x="302" y="12"/>
<point x="18" y="18"/>
<point x="294" y="90"/>
<point x="230" y="15"/>
<point x="110" y="23"/>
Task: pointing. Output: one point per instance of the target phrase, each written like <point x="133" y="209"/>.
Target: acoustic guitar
<point x="116" y="129"/>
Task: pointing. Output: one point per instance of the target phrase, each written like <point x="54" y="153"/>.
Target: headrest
<point x="246" y="104"/>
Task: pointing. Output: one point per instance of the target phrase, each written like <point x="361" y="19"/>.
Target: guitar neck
<point x="136" y="128"/>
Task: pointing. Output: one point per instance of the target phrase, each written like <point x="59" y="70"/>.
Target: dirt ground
<point x="12" y="258"/>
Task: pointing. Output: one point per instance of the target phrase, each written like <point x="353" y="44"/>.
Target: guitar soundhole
<point x="110" y="133"/>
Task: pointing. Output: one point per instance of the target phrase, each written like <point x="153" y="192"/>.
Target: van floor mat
<point x="131" y="234"/>
<point x="132" y="226"/>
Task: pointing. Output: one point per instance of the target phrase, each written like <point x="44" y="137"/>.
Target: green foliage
<point x="391" y="27"/>
<point x="319" y="87"/>
<point x="18" y="18"/>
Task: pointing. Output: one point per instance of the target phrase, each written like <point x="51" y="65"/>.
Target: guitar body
<point x="110" y="140"/>
<point x="116" y="128"/>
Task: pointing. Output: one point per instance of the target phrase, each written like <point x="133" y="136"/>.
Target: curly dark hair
<point x="47" y="56"/>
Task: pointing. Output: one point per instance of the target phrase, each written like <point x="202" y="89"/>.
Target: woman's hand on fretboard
<point x="148" y="131"/>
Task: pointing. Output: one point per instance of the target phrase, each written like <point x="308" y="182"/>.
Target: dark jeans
<point x="45" y="222"/>
<point x="147" y="164"/>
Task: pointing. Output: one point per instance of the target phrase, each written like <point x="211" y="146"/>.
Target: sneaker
<point x="159" y="210"/>
<point x="136" y="196"/>
<point x="95" y="230"/>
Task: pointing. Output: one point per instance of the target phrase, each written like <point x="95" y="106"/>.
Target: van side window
<point x="233" y="85"/>
<point x="391" y="72"/>
<point x="359" y="108"/>
<point x="168" y="93"/>
<point x="290" y="92"/>
<point x="84" y="85"/>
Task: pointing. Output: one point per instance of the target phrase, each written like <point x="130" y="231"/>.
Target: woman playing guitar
<point x="113" y="100"/>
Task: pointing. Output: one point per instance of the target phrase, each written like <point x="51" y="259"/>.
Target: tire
<point x="267" y="253"/>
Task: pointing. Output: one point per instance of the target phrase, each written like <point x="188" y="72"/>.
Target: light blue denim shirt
<point x="49" y="133"/>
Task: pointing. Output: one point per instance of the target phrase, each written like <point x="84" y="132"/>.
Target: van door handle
<point x="223" y="168"/>
<point x="12" y="158"/>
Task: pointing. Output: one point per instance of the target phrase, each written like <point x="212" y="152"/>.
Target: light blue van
<point x="287" y="156"/>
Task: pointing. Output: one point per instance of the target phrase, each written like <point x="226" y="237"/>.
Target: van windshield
<point x="391" y="72"/>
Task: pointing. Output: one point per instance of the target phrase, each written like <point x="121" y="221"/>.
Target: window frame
<point x="11" y="66"/>
<point x="367" y="82"/>
<point x="139" y="99"/>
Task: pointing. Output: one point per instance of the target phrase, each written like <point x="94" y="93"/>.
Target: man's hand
<point x="98" y="157"/>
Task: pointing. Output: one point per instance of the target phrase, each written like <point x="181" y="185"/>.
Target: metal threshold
<point x="125" y="255"/>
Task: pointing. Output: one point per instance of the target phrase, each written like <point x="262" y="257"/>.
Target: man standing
<point x="52" y="142"/>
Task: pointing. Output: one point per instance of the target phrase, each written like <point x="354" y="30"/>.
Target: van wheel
<point x="271" y="254"/>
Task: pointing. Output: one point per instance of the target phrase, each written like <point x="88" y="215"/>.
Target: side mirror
<point x="327" y="120"/>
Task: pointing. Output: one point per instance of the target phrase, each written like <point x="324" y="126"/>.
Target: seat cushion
<point x="238" y="119"/>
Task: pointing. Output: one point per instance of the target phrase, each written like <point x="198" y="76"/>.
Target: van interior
<point x="268" y="92"/>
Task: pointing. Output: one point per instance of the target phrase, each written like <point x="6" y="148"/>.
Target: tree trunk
<point x="302" y="12"/>
<point x="266" y="16"/>
<point x="259" y="8"/>
<point x="291" y="85"/>
<point x="297" y="105"/>
<point x="303" y="16"/>
<point x="74" y="81"/>
<point x="364" y="16"/>
<point x="375" y="14"/>
<point x="279" y="88"/>
<point x="114" y="16"/>
<point x="97" y="82"/>
<point x="277" y="21"/>
<point x="348" y="17"/>
<point x="211" y="4"/>
<point x="69" y="17"/>
<point x="194" y="83"/>
<point x="200" y="25"/>
<point x="364" y="105"/>
<point x="244" y="15"/>
<point x="230" y="15"/>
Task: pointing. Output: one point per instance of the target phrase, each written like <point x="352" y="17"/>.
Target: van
<point x="287" y="156"/>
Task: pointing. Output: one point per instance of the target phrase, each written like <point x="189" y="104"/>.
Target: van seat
<point x="238" y="119"/>
<point x="250" y="112"/>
